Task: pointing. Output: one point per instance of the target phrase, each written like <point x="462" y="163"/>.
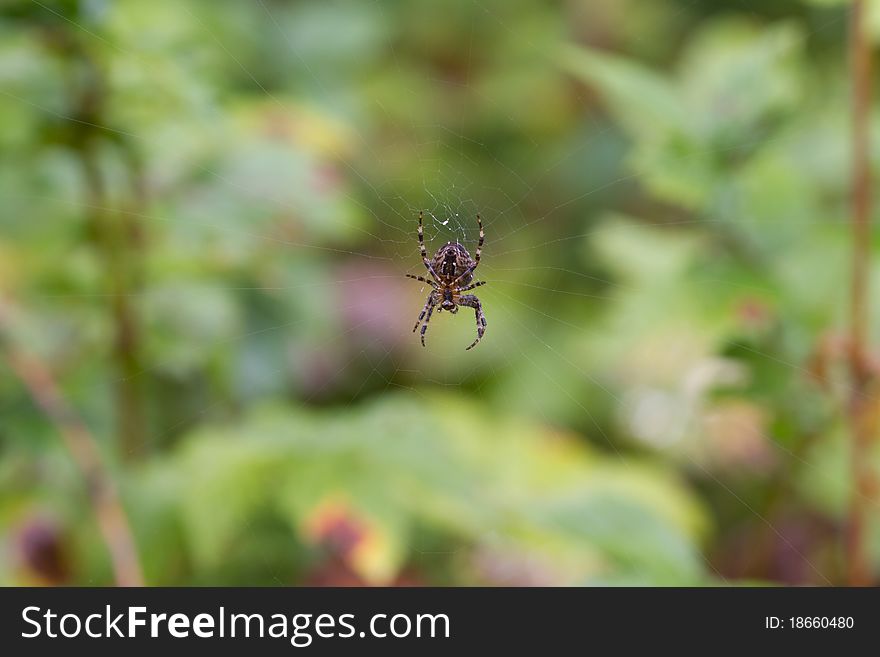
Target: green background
<point x="208" y="209"/>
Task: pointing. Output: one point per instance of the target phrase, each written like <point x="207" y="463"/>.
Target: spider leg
<point x="473" y="302"/>
<point x="428" y="309"/>
<point x="425" y="325"/>
<point x="470" y="270"/>
<point x="423" y="280"/>
<point x="471" y="286"/>
<point x="423" y="250"/>
<point x="480" y="243"/>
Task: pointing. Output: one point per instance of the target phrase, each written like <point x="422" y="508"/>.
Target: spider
<point x="452" y="271"/>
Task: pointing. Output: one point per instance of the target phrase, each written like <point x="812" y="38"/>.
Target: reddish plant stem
<point x="861" y="402"/>
<point x="100" y="488"/>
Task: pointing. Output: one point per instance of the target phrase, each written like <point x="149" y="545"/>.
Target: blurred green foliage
<point x="208" y="211"/>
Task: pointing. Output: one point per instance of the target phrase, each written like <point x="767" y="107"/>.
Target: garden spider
<point x="452" y="270"/>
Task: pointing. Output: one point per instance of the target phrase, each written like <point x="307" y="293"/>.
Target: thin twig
<point x="861" y="403"/>
<point x="83" y="448"/>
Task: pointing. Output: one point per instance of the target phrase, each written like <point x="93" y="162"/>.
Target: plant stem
<point x="861" y="404"/>
<point x="102" y="493"/>
<point x="117" y="242"/>
<point x="113" y="234"/>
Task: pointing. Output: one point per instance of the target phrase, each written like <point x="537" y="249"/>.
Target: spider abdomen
<point x="451" y="261"/>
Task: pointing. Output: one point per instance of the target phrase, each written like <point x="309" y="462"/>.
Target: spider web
<point x="525" y="280"/>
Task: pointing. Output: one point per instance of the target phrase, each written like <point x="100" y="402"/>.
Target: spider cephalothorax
<point x="452" y="272"/>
